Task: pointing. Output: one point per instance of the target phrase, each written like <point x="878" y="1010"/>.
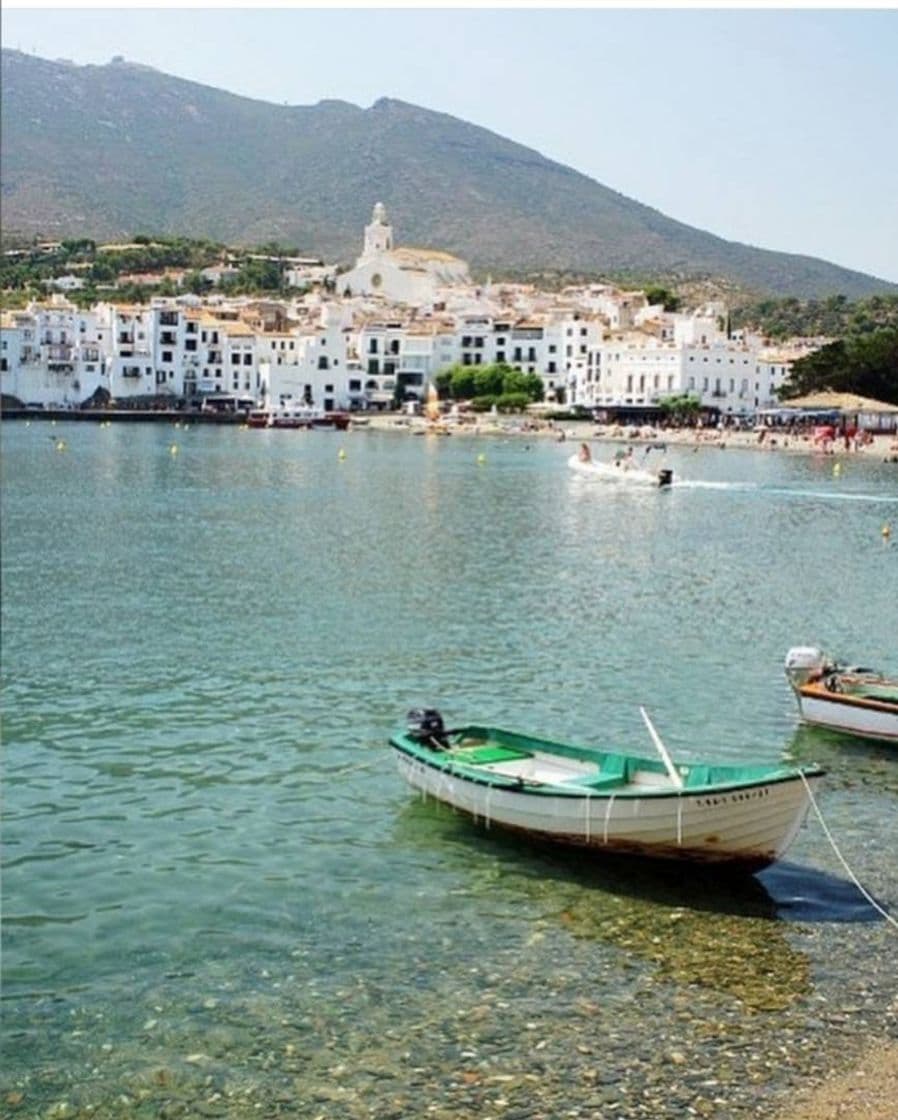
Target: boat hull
<point x="749" y="826"/>
<point x="850" y="715"/>
<point x="623" y="474"/>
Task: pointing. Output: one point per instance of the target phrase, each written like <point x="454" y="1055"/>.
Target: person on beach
<point x="584" y="454"/>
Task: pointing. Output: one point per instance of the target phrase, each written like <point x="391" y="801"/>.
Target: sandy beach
<point x="869" y="1091"/>
<point x="883" y="447"/>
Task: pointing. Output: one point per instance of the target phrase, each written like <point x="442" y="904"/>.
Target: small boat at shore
<point x="846" y="698"/>
<point x="608" y="800"/>
<point x="622" y="469"/>
<point x="299" y="416"/>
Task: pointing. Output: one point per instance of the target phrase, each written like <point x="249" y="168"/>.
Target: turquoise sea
<point x="218" y="897"/>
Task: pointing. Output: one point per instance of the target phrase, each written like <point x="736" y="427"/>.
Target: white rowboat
<point x="607" y="800"/>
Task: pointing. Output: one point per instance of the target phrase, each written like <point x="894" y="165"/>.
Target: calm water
<point x="218" y="898"/>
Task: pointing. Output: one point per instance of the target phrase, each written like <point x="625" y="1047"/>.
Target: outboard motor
<point x="805" y="663"/>
<point x="425" y="725"/>
<point x="665" y="476"/>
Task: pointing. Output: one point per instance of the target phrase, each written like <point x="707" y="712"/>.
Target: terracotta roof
<point x="426" y="255"/>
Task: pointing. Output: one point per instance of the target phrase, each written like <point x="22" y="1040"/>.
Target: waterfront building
<point x="127" y="331"/>
<point x="593" y="345"/>
<point x="52" y="354"/>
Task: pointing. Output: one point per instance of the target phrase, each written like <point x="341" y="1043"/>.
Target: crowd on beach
<point x="806" y="439"/>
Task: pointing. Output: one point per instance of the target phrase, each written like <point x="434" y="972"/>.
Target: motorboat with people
<point x="847" y="698"/>
<point x="623" y="468"/>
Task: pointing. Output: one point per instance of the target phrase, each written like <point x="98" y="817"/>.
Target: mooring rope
<point x="835" y="847"/>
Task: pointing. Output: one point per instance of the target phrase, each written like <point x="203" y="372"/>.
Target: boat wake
<point x="783" y="491"/>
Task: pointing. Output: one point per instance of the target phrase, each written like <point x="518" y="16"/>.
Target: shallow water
<point x="218" y="898"/>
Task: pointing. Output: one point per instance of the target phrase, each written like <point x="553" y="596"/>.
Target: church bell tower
<point x="378" y="233"/>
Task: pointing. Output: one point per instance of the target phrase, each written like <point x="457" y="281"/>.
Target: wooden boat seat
<point x="697" y="777"/>
<point x="614" y="772"/>
<point x="597" y="781"/>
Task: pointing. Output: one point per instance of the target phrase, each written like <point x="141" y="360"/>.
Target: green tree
<point x="682" y="409"/>
<point x="489" y="380"/>
<point x="866" y="364"/>
<point x="656" y="294"/>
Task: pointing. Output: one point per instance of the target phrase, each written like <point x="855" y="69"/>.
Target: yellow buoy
<point x="341" y="454"/>
<point x="60" y="445"/>
<point x="481" y="458"/>
<point x="886" y="531"/>
<point x="837" y="469"/>
<point x="173" y="449"/>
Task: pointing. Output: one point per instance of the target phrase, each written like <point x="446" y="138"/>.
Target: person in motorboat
<point x="584" y="454"/>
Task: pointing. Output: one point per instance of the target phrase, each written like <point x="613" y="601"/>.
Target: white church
<point x="401" y="275"/>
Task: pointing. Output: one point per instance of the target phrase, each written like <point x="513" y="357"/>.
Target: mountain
<point x="115" y="150"/>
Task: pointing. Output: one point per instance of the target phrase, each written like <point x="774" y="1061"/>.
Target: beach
<point x="869" y="1091"/>
<point x="881" y="446"/>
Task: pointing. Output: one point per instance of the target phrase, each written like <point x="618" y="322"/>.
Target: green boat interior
<point x="576" y="769"/>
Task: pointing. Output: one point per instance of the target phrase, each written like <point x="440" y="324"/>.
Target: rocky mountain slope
<point x="114" y="150"/>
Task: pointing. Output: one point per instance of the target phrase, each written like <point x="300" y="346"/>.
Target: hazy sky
<point x="775" y="127"/>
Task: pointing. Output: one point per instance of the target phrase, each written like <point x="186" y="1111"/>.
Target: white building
<point x="128" y="337"/>
<point x="639" y="369"/>
<point x="52" y="354"/>
<point x="405" y="275"/>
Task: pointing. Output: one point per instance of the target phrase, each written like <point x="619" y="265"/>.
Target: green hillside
<point x="103" y="151"/>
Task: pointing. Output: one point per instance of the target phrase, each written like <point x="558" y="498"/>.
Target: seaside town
<point x="376" y="336"/>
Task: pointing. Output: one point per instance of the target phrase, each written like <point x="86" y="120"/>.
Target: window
<point x="190" y="344"/>
<point x="235" y="359"/>
<point x="323" y="362"/>
<point x="247" y="359"/>
<point x="166" y="355"/>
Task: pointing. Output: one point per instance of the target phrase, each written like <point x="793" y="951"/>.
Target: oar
<point x="662" y="750"/>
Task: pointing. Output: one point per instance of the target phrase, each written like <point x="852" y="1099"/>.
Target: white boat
<point x="301" y="416"/>
<point x="606" y="800"/>
<point x="622" y="469"/>
<point x="845" y="698"/>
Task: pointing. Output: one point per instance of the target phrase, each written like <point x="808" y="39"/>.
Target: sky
<point x="776" y="127"/>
